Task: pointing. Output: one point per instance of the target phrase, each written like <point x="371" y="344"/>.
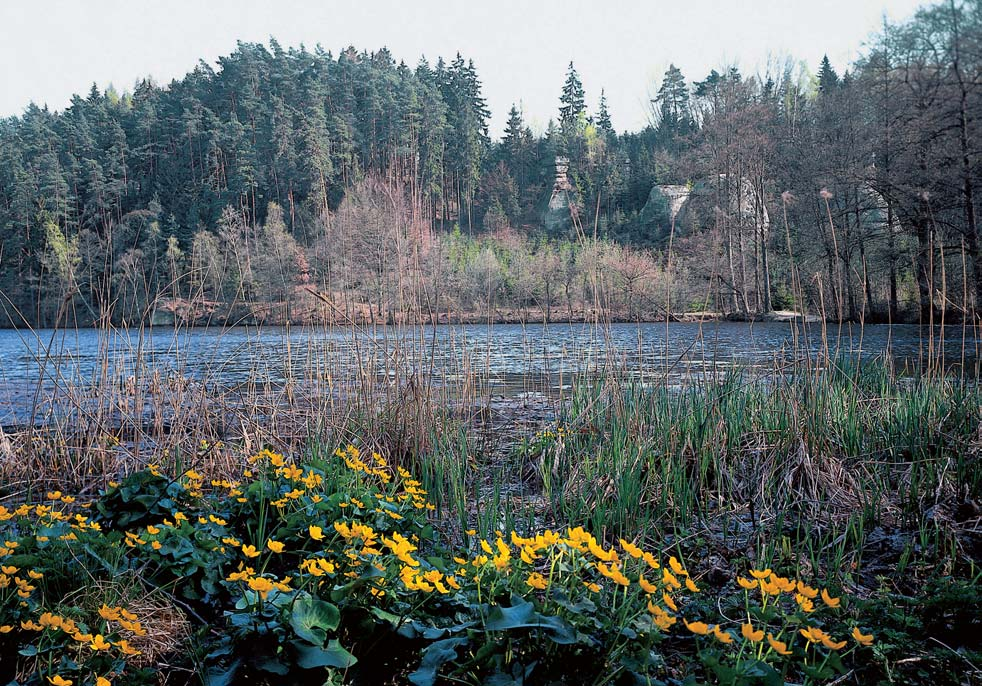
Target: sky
<point x="50" y="49"/>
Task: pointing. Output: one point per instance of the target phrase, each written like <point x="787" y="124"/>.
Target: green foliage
<point x="331" y="568"/>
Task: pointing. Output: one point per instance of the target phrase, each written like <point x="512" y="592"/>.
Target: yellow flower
<point x="669" y="602"/>
<point x="832" y="645"/>
<point x="99" y="643"/>
<point x="807" y="591"/>
<point x="760" y="573"/>
<point x="599" y="553"/>
<point x="829" y="600"/>
<point x="750" y="634"/>
<point x="593" y="587"/>
<point x="783" y="583"/>
<point x="691" y="585"/>
<point x="275" y="546"/>
<point x="631" y="549"/>
<point x="58" y="681"/>
<point x="614" y="574"/>
<point x="261" y="585"/>
<point x="700" y="628"/>
<point x="109" y="613"/>
<point x="316" y="533"/>
<point x="250" y="551"/>
<point x="536" y="580"/>
<point x="669" y="580"/>
<point x="102" y="681"/>
<point x="677" y="566"/>
<point x="125" y="649"/>
<point x="722" y="636"/>
<point x="650" y="560"/>
<point x="646" y="585"/>
<point x="804" y="603"/>
<point x="769" y="588"/>
<point x="748" y="584"/>
<point x="861" y="638"/>
<point x="663" y="620"/>
<point x="812" y="634"/>
<point x="780" y="647"/>
<point x="6" y="629"/>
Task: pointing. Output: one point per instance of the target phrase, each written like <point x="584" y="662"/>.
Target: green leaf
<point x="312" y="657"/>
<point x="434" y="657"/>
<point x="522" y="615"/>
<point x="221" y="676"/>
<point x="312" y="618"/>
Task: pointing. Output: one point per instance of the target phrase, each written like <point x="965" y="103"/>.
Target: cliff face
<point x="676" y="196"/>
<point x="744" y="202"/>
<point x="561" y="212"/>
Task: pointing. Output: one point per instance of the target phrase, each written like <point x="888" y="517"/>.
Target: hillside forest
<point x="289" y="184"/>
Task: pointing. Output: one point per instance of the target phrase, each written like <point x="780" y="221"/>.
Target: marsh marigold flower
<point x="748" y="584"/>
<point x="829" y="600"/>
<point x="749" y="633"/>
<point x="722" y="636"/>
<point x="861" y="638"/>
<point x="631" y="549"/>
<point x="700" y="628"/>
<point x="807" y="591"/>
<point x="779" y="647"/>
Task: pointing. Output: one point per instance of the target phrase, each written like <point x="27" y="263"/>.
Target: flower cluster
<point x="286" y="551"/>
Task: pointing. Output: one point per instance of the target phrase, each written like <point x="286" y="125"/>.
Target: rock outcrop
<point x="561" y="213"/>
<point x="745" y="203"/>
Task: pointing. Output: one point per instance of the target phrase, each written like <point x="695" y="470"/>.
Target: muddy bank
<point x="315" y="308"/>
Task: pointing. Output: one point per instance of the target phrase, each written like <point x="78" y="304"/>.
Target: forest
<point x="294" y="185"/>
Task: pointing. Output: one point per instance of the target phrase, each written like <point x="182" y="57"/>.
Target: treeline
<point x="257" y="183"/>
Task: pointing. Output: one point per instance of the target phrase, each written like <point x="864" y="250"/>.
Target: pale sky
<point x="50" y="49"/>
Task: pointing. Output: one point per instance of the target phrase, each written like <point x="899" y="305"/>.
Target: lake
<point x="505" y="359"/>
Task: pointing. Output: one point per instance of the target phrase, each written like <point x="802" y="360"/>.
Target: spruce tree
<point x="572" y="103"/>
<point x="603" y="116"/>
<point x="828" y="80"/>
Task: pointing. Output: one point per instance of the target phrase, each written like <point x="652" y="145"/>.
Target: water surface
<point x="504" y="359"/>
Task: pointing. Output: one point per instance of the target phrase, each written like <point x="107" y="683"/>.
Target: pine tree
<point x="674" y="114"/>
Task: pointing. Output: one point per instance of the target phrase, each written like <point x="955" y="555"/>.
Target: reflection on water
<point x="505" y="359"/>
